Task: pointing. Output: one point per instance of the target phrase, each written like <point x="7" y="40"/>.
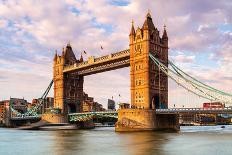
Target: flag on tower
<point x="84" y="52"/>
<point x="101" y="48"/>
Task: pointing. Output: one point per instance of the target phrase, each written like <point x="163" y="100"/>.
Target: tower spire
<point x="81" y="58"/>
<point x="165" y="36"/>
<point x="132" y="28"/>
<point x="148" y="23"/>
<point x="63" y="51"/>
<point x="55" y="57"/>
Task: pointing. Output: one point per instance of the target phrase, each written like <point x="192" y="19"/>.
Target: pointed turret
<point x="132" y="32"/>
<point x="69" y="55"/>
<point x="165" y="36"/>
<point x="63" y="52"/>
<point x="55" y="57"/>
<point x="81" y="58"/>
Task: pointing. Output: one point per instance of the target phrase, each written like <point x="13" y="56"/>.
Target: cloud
<point x="183" y="58"/>
<point x="31" y="33"/>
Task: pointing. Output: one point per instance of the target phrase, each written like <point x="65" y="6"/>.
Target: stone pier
<point x="145" y="120"/>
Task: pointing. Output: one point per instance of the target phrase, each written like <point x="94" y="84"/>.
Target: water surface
<point x="207" y="140"/>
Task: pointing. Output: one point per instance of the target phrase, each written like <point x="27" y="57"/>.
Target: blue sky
<point x="200" y="40"/>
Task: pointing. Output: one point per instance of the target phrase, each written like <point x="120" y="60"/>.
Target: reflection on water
<point x="190" y="140"/>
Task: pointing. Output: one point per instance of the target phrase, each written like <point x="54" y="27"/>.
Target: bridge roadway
<point x="172" y="111"/>
<point x="105" y="63"/>
<point x="18" y="118"/>
<point x="89" y="115"/>
<point x="195" y="111"/>
<point x="158" y="111"/>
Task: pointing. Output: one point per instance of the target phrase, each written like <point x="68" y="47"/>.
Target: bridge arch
<point x="155" y="102"/>
<point x="72" y="108"/>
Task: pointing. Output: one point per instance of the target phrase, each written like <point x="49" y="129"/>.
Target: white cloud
<point x="37" y="28"/>
<point x="183" y="58"/>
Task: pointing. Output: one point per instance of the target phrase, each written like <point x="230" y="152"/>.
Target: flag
<point x="84" y="52"/>
<point x="101" y="47"/>
<point x="119" y="95"/>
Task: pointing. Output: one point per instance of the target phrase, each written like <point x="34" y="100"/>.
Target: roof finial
<point x="69" y="44"/>
<point x="149" y="13"/>
<point x="165" y="26"/>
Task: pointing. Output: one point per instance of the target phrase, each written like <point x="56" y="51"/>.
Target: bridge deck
<point x="171" y="111"/>
<point x="158" y="111"/>
<point x="25" y="118"/>
<point x="195" y="111"/>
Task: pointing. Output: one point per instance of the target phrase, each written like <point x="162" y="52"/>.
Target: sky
<point x="200" y="41"/>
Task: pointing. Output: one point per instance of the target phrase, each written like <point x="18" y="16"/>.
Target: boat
<point x="62" y="126"/>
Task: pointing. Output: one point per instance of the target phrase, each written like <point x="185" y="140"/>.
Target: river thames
<point x="204" y="140"/>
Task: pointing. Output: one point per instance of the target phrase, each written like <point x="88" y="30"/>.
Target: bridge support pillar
<point x="86" y="125"/>
<point x="168" y="122"/>
<point x="145" y="120"/>
<point x="55" y="118"/>
<point x="136" y="120"/>
<point x="7" y="117"/>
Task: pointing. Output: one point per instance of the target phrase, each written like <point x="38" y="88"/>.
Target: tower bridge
<point x="147" y="58"/>
<point x="149" y="86"/>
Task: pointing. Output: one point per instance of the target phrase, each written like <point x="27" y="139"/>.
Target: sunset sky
<point x="200" y="41"/>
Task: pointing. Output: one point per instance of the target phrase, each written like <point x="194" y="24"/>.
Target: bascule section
<point x="149" y="85"/>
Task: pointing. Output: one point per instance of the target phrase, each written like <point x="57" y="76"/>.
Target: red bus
<point x="213" y="105"/>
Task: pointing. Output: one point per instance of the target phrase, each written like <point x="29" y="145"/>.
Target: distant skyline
<point x="200" y="41"/>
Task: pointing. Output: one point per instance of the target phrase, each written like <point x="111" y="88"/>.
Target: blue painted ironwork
<point x="33" y="111"/>
<point x="79" y="117"/>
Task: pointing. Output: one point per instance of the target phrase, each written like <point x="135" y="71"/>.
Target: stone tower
<point x="149" y="86"/>
<point x="68" y="87"/>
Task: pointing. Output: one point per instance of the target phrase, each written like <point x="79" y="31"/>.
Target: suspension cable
<point x="203" y="84"/>
<point x="193" y="84"/>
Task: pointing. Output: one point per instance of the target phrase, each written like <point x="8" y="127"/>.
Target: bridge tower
<point x="149" y="86"/>
<point x="68" y="87"/>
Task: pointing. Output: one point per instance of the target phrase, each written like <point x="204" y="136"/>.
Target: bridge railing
<point x="103" y="58"/>
<point x="121" y="53"/>
<point x="193" y="109"/>
<point x="25" y="117"/>
<point x="95" y="112"/>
